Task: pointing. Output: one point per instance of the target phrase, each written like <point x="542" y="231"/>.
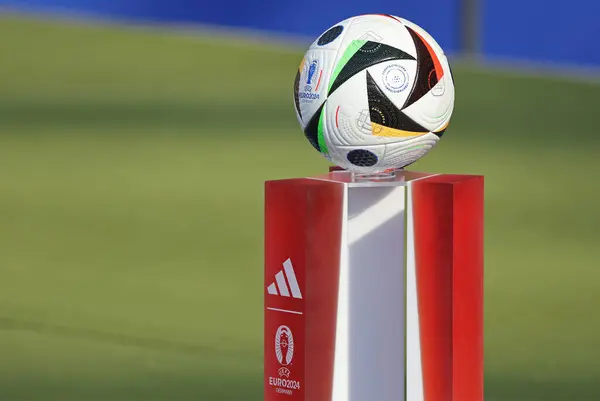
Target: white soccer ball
<point x="374" y="92"/>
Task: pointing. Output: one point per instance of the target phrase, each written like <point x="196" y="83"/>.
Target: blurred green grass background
<point x="132" y="163"/>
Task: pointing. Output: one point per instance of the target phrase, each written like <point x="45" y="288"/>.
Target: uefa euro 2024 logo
<point x="284" y="345"/>
<point x="284" y="351"/>
<point x="310" y="75"/>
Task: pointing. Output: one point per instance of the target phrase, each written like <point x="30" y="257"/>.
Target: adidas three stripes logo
<point x="280" y="286"/>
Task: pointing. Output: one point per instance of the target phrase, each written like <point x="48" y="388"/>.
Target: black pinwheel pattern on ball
<point x="383" y="111"/>
<point x="312" y="129"/>
<point x="369" y="54"/>
<point x="428" y="74"/>
<point x="296" y="90"/>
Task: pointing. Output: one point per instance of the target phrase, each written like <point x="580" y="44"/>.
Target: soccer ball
<point x="374" y="92"/>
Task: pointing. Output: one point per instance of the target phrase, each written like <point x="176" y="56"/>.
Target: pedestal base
<point x="374" y="288"/>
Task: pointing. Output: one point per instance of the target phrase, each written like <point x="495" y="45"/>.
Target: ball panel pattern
<point x="320" y="132"/>
<point x="347" y="115"/>
<point x="346" y="132"/>
<point x="368" y="54"/>
<point x="379" y="29"/>
<point x="424" y="34"/>
<point x="330" y="35"/>
<point x="384" y="113"/>
<point x="296" y="90"/>
<point x="335" y="43"/>
<point x="405" y="153"/>
<point x="435" y="108"/>
<point x="439" y="71"/>
<point x="427" y="76"/>
<point x="312" y="129"/>
<point x="395" y="78"/>
<point x="350" y="50"/>
<point x="362" y="158"/>
<point x="440" y="133"/>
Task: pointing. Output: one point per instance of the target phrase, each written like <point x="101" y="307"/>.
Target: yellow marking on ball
<point x="380" y="130"/>
<point x="442" y="127"/>
<point x="301" y="64"/>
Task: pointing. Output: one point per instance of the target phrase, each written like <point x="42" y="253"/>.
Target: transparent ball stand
<point x="385" y="175"/>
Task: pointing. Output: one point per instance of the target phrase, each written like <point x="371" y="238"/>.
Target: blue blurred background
<point x="555" y="31"/>
<point x="135" y="137"/>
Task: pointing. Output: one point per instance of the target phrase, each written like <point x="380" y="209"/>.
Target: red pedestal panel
<point x="315" y="295"/>
<point x="303" y="222"/>
<point x="448" y="235"/>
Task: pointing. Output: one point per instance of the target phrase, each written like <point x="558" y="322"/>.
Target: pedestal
<point x="374" y="288"/>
